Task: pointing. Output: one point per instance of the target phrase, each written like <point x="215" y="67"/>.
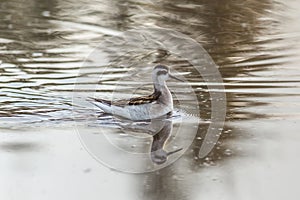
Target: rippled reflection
<point x="158" y="154"/>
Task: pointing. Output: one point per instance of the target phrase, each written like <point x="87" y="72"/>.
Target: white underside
<point x="137" y="112"/>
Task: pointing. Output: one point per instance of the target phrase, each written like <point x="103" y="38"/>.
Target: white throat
<point x="159" y="84"/>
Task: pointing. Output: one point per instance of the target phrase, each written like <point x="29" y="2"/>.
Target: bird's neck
<point x="160" y="86"/>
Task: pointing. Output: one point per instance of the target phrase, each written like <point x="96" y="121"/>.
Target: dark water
<point x="45" y="76"/>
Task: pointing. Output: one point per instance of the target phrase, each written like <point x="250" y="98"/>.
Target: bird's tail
<point x="104" y="105"/>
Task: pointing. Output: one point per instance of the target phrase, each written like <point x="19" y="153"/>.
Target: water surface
<point x="43" y="51"/>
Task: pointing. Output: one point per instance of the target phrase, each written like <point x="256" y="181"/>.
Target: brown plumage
<point x="132" y="101"/>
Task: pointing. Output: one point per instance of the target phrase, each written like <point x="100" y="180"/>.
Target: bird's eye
<point x="162" y="72"/>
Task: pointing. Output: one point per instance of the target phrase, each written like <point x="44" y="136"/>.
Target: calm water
<point x="47" y="71"/>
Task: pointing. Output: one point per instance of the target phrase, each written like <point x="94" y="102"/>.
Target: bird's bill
<point x="175" y="151"/>
<point x="174" y="77"/>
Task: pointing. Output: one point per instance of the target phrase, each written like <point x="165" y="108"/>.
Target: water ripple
<point x="40" y="66"/>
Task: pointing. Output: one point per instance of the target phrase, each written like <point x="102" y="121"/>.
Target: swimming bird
<point x="155" y="105"/>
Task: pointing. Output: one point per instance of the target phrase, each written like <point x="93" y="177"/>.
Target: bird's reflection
<point x="158" y="154"/>
<point x="160" y="130"/>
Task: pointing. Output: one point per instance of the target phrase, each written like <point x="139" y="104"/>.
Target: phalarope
<point x="158" y="104"/>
